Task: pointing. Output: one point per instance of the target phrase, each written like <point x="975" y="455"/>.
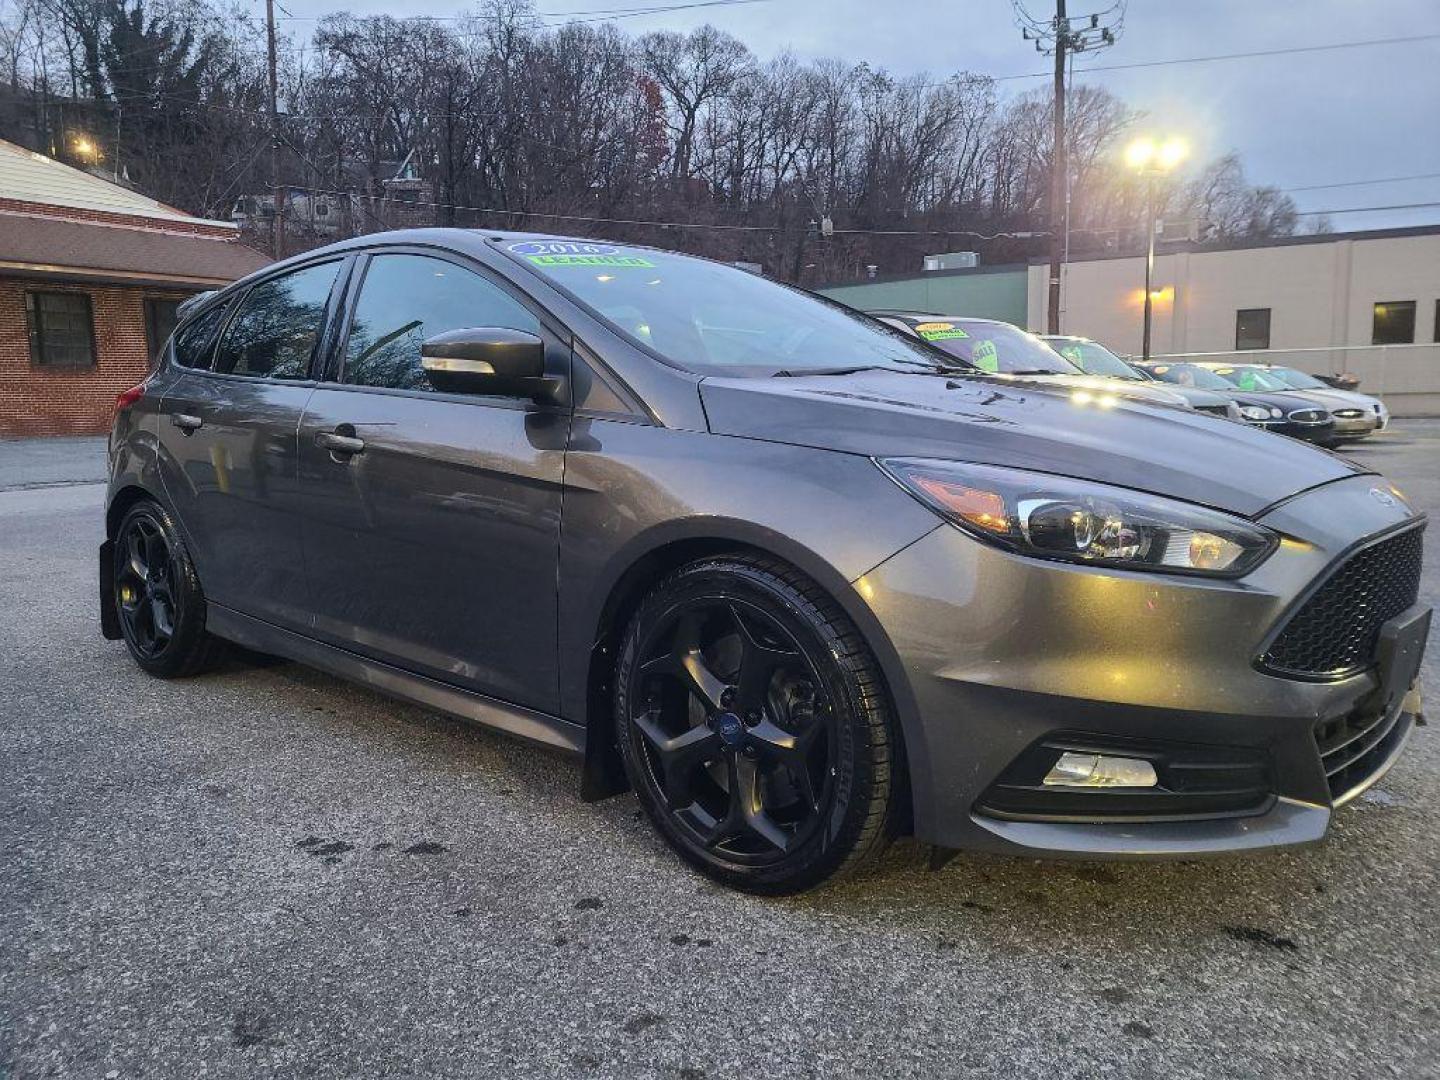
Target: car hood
<point x="1198" y="398"/>
<point x="1176" y="452"/>
<point x="1103" y="384"/>
<point x="1287" y="401"/>
<point x="1340" y="399"/>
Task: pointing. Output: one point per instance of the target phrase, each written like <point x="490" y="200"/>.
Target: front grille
<point x="1349" y="414"/>
<point x="1354" y="747"/>
<point x="1308" y="416"/>
<point x="1335" y="632"/>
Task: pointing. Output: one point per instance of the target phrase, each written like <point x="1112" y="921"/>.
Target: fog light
<point x="1100" y="770"/>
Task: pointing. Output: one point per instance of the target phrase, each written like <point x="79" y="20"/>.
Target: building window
<point x="62" y="330"/>
<point x="1252" y="328"/>
<point x="161" y="316"/>
<point x="1394" y="323"/>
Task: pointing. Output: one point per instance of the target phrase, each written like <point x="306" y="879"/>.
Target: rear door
<point x="228" y="437"/>
<point x="432" y="520"/>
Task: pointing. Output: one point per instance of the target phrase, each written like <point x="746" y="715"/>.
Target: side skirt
<point x="387" y="679"/>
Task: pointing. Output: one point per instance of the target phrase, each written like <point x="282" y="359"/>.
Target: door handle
<point x="185" y="422"/>
<point x="339" y="444"/>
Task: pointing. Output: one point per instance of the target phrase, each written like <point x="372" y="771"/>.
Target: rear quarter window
<point x="195" y="341"/>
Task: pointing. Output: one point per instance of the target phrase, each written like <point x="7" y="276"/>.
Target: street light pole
<point x="1152" y="160"/>
<point x="1149" y="261"/>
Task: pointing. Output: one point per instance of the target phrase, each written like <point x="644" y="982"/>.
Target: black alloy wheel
<point x="753" y="726"/>
<point x="158" y="596"/>
<point x="145" y="586"/>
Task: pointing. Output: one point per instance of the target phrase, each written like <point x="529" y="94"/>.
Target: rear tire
<point x="755" y="728"/>
<point x="158" y="596"/>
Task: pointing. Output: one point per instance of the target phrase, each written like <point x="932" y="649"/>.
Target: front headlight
<point x="1254" y="412"/>
<point x="1055" y="517"/>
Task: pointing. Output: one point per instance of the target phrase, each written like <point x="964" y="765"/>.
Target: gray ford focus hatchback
<point x="799" y="580"/>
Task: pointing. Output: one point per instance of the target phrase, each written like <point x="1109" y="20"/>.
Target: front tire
<point x="754" y="726"/>
<point x="158" y="596"/>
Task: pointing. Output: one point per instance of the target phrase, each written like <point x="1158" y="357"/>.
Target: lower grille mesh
<point x="1353" y="747"/>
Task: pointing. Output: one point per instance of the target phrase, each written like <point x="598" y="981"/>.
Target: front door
<point x="228" y="436"/>
<point x="433" y="520"/>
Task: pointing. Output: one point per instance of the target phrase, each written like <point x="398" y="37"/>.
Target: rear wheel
<point x="754" y="726"/>
<point x="158" y="596"/>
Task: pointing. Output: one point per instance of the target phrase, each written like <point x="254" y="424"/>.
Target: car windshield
<point x="1249" y="378"/>
<point x="1190" y="375"/>
<point x="1296" y="380"/>
<point x="1093" y="358"/>
<point x="994" y="346"/>
<point x="708" y="317"/>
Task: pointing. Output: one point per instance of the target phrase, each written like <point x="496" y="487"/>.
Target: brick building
<point x="91" y="274"/>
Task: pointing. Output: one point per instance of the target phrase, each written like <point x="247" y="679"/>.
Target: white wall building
<point x="1365" y="302"/>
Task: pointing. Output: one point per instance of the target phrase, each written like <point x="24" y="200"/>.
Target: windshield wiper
<point x="800" y="373"/>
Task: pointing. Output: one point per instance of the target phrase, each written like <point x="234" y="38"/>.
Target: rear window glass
<point x="995" y="347"/>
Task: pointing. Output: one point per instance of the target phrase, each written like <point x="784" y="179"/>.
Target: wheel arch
<point x="603" y="774"/>
<point x="120" y="503"/>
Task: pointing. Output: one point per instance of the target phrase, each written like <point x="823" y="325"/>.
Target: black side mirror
<point x="488" y="360"/>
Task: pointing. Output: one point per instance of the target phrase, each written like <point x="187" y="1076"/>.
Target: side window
<point x="408" y="298"/>
<point x="274" y="332"/>
<point x="194" y="343"/>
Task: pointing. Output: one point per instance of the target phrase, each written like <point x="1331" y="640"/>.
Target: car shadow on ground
<point x="1273" y="902"/>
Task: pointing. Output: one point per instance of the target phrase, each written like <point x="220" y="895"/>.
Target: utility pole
<point x="277" y="220"/>
<point x="1060" y="37"/>
<point x="1058" y="171"/>
<point x="1149" y="263"/>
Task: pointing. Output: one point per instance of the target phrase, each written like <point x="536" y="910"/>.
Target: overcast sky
<point x="1305" y="119"/>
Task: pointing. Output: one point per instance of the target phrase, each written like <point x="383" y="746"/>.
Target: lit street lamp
<point x="1153" y="160"/>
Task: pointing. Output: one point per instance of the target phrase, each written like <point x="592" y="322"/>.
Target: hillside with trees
<point x="816" y="170"/>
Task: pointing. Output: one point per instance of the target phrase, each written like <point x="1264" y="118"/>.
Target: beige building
<point x="1365" y="302"/>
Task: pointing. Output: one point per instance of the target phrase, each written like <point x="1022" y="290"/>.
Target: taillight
<point x="129" y="397"/>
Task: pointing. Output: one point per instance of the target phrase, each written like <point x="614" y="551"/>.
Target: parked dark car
<point x="1281" y="412"/>
<point x="1095" y="359"/>
<point x="779" y="568"/>
<point x="1356" y="416"/>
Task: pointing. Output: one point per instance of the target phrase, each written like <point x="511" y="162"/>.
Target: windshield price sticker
<point x="572" y="253"/>
<point x="984" y="356"/>
<point x="939" y="331"/>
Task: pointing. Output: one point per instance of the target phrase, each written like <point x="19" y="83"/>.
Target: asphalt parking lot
<point x="267" y="872"/>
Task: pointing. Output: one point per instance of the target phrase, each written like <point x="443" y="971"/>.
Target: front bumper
<point x="1004" y="654"/>
<point x="1356" y="427"/>
<point x="1319" y="431"/>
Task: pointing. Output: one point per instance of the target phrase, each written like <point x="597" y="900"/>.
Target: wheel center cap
<point x="730" y="729"/>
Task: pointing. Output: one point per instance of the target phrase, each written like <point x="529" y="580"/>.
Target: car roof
<point x="902" y="313"/>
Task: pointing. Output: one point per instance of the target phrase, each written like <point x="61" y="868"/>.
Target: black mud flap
<point x="604" y="773"/>
<point x="109" y="617"/>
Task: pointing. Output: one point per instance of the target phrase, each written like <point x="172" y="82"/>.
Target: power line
<point x="1233" y="56"/>
<point x="1367" y="209"/>
<point x="658" y="224"/>
<point x="1025" y="234"/>
<point x="603" y="14"/>
<point x="1365" y="183"/>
